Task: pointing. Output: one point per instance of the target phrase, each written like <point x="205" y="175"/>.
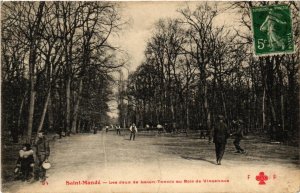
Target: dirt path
<point x="161" y="164"/>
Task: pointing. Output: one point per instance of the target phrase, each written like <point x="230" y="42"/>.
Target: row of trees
<point x="195" y="70"/>
<point x="56" y="65"/>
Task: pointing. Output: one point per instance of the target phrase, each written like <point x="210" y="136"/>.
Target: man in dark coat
<point x="42" y="154"/>
<point x="238" y="137"/>
<point x="220" y="135"/>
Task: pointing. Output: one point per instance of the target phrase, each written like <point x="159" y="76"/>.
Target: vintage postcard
<point x="150" y="97"/>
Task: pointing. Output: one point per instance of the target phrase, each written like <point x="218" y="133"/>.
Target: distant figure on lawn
<point x="202" y="131"/>
<point x="106" y="128"/>
<point x="118" y="128"/>
<point x="95" y="129"/>
<point x="160" y="128"/>
<point x="147" y="127"/>
<point x="25" y="162"/>
<point x="42" y="155"/>
<point x="238" y="137"/>
<point x="220" y="135"/>
<point x="133" y="130"/>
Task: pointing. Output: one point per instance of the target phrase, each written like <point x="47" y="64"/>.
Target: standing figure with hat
<point x="42" y="154"/>
<point x="118" y="128"/>
<point x="133" y="130"/>
<point x="220" y="134"/>
<point x="238" y="137"/>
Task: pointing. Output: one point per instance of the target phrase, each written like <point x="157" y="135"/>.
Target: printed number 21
<point x="261" y="44"/>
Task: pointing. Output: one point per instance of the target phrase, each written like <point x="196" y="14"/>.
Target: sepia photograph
<point x="150" y="96"/>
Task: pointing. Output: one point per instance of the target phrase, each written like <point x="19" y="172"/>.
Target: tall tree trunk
<point x="32" y="61"/>
<point x="280" y="77"/>
<point x="187" y="117"/>
<point x="68" y="105"/>
<point x="206" y="108"/>
<point x="50" y="114"/>
<point x="250" y="118"/>
<point x="144" y="111"/>
<point x="44" y="111"/>
<point x="76" y="107"/>
<point x="137" y="113"/>
<point x="264" y="109"/>
<point x="157" y="110"/>
<point x="273" y="113"/>
<point x="269" y="91"/>
<point x="224" y="104"/>
<point x="20" y="112"/>
<point x="78" y="129"/>
<point x="151" y="112"/>
<point x="172" y="111"/>
<point x="182" y="117"/>
<point x="187" y="109"/>
<point x="282" y="111"/>
<point x="31" y="111"/>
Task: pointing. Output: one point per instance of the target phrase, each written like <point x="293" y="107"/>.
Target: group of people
<point x="133" y="130"/>
<point x="117" y="127"/>
<point x="27" y="167"/>
<point x="220" y="135"/>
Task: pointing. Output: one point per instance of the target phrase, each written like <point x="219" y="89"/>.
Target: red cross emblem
<point x="261" y="177"/>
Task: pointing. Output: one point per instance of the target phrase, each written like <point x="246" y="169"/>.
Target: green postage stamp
<point x="272" y="30"/>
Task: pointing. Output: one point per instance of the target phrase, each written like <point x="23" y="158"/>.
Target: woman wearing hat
<point x="26" y="161"/>
<point x="220" y="135"/>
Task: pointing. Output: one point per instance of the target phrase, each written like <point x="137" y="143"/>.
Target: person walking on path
<point x="42" y="155"/>
<point x="220" y="135"/>
<point x="133" y="130"/>
<point x="238" y="137"/>
<point x="118" y="128"/>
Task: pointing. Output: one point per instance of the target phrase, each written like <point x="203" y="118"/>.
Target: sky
<point x="133" y="38"/>
<point x="142" y="17"/>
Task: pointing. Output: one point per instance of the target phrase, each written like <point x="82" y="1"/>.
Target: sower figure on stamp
<point x="133" y="130"/>
<point x="238" y="137"/>
<point x="220" y="134"/>
<point x="42" y="154"/>
<point x="269" y="25"/>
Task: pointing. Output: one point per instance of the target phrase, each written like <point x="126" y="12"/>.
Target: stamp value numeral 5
<point x="261" y="43"/>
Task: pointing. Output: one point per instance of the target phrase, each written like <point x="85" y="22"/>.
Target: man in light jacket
<point x="133" y="130"/>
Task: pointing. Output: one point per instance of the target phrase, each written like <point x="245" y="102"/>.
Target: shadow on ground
<point x="198" y="158"/>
